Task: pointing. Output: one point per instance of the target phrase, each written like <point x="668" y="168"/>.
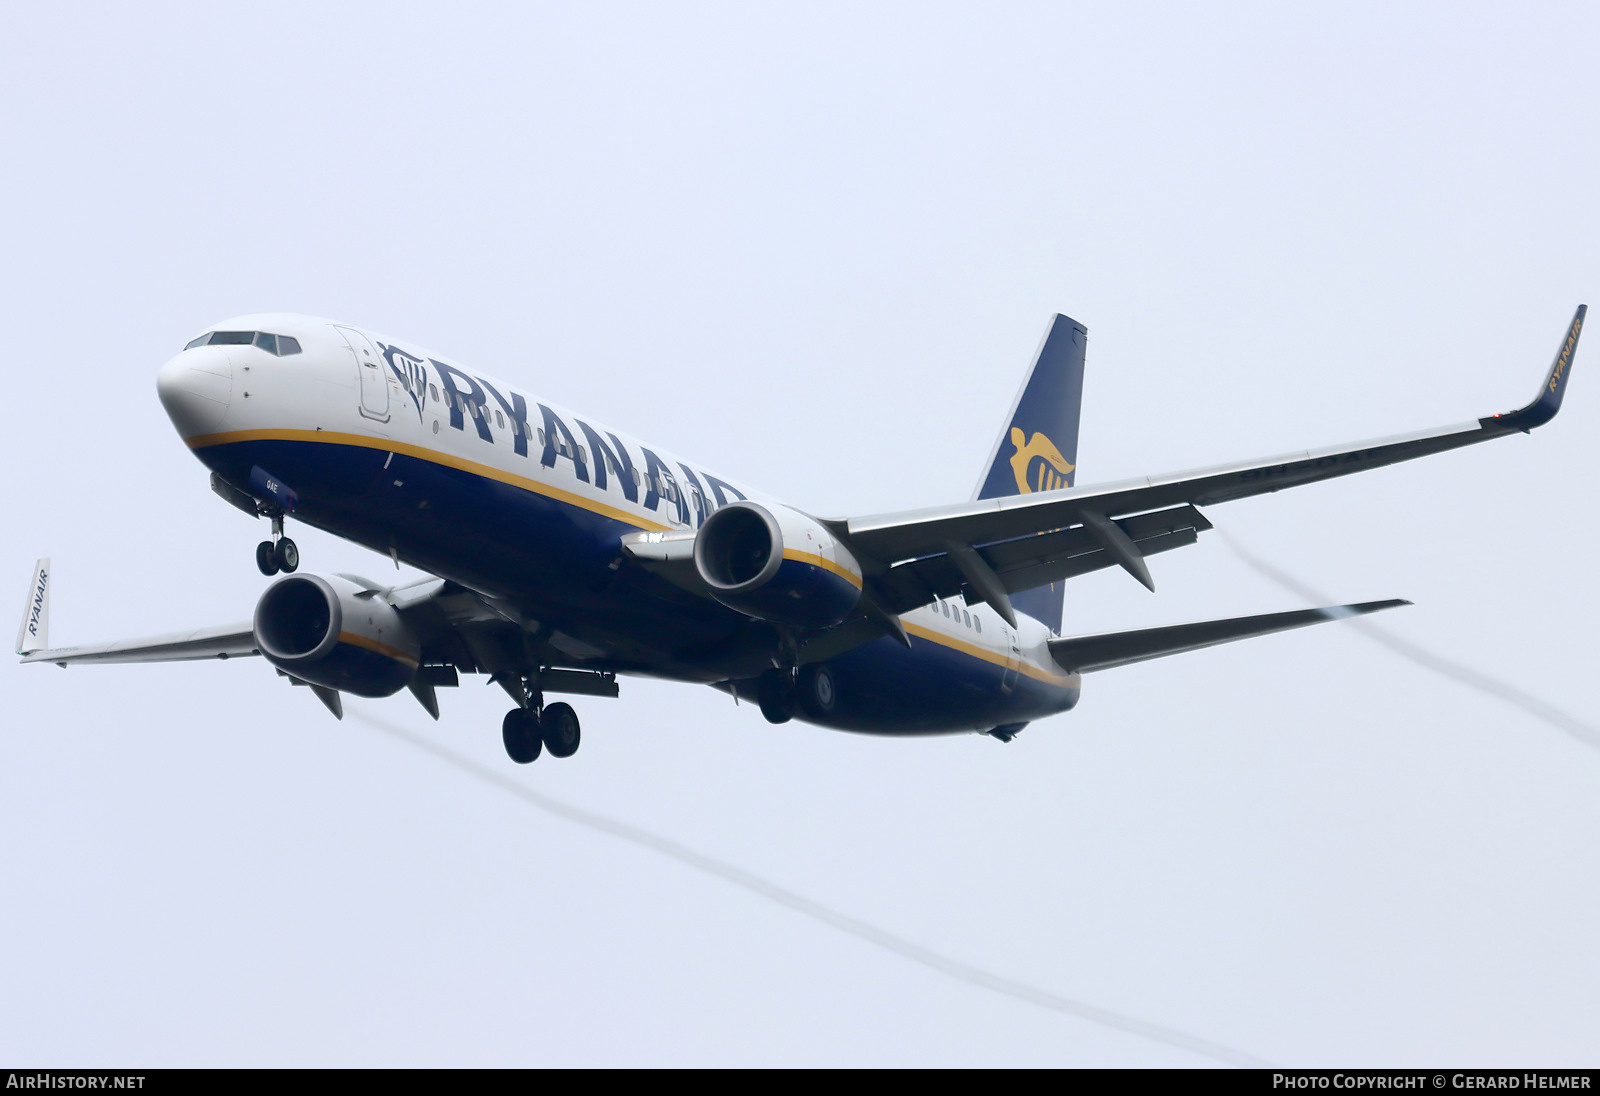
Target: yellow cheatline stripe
<point x="381" y="648"/>
<point x="983" y="653"/>
<point x="826" y="564"/>
<point x="433" y="456"/>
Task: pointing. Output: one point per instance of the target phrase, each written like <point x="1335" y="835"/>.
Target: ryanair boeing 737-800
<point x="565" y="555"/>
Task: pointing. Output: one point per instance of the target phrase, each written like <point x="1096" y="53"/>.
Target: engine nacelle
<point x="327" y="630"/>
<point x="776" y="564"/>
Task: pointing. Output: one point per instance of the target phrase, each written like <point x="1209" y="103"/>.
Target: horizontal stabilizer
<point x="1083" y="654"/>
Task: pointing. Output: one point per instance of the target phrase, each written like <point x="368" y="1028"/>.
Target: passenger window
<point x="583" y="455"/>
<point x="966" y="618"/>
<point x="499" y="420"/>
<point x="977" y="622"/>
<point x="433" y="392"/>
<point x="637" y="481"/>
<point x="287" y="345"/>
<point x="541" y="437"/>
<point x="945" y="607"/>
<point x="267" y="342"/>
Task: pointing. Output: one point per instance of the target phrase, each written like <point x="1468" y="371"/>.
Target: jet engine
<point x="328" y="630"/>
<point x="776" y="564"/>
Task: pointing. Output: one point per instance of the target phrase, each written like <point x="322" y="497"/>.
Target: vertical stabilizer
<point x="1038" y="448"/>
<point x="34" y="634"/>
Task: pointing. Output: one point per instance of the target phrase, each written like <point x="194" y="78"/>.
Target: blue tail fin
<point x="1038" y="449"/>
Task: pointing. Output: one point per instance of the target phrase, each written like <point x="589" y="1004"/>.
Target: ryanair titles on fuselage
<point x="464" y="396"/>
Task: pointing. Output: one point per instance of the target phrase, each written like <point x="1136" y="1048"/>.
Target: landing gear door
<point x="374" y="386"/>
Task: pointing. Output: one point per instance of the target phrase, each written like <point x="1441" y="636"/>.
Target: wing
<point x="997" y="546"/>
<point x="229" y="641"/>
<point x="33" y="637"/>
<point x="459" y="631"/>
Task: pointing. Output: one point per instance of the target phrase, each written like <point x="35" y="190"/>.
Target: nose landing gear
<point x="279" y="553"/>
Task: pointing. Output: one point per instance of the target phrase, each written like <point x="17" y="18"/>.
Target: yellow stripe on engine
<point x="826" y="564"/>
<point x="380" y="648"/>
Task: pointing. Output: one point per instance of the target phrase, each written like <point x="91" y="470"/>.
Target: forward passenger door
<point x="374" y="385"/>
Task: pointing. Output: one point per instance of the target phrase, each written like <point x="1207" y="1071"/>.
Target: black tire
<point x="820" y="689"/>
<point x="558" y="726"/>
<point x="266" y="559"/>
<point x="286" y="555"/>
<point x="520" y="734"/>
<point x="775" y="694"/>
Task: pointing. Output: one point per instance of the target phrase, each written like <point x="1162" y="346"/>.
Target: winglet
<point x="1548" y="401"/>
<point x="34" y="634"/>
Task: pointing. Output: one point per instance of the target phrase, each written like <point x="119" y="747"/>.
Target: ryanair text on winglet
<point x="36" y="609"/>
<point x="1566" y="352"/>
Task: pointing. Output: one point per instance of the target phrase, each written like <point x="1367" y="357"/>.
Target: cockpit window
<point x="281" y="345"/>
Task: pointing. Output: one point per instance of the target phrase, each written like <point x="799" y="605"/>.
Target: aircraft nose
<point x="195" y="388"/>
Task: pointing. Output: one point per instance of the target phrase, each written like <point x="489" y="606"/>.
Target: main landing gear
<point x="776" y="693"/>
<point x="529" y="731"/>
<point x="279" y="553"/>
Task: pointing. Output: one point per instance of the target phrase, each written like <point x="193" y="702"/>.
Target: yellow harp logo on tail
<point x="1037" y="463"/>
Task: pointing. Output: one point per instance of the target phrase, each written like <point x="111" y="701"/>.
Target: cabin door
<point x="369" y="367"/>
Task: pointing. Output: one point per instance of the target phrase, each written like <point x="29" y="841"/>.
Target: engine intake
<point x="776" y="564"/>
<point x="330" y="631"/>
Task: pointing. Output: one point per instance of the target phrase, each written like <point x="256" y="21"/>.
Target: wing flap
<point x="1024" y="563"/>
<point x="1085" y="654"/>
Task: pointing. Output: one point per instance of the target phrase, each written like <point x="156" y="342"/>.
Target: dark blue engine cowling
<point x="328" y="630"/>
<point x="777" y="564"/>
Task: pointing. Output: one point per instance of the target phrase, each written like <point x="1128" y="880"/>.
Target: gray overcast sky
<point x="813" y="247"/>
